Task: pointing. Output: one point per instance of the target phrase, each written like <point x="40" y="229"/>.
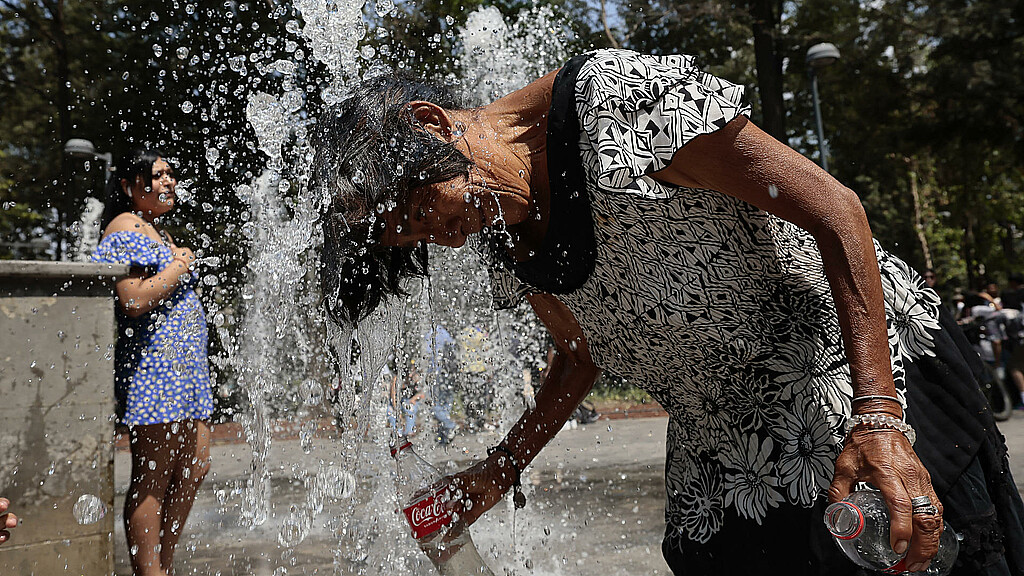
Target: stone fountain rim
<point x="52" y="269"/>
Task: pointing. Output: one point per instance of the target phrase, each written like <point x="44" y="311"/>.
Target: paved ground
<point x="596" y="507"/>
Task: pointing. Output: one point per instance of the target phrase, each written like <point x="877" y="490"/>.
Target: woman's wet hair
<point x="138" y="162"/>
<point x="369" y="154"/>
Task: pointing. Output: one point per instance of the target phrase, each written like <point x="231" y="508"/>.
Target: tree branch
<point x="607" y="30"/>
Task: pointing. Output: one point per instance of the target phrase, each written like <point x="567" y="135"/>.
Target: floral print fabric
<point x="161" y="370"/>
<point x="720" y="311"/>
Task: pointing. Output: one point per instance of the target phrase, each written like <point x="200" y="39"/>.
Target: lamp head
<point x="80" y="148"/>
<point x="821" y="55"/>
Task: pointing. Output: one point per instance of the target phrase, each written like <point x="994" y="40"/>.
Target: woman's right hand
<point x="185" y="255"/>
<point x="477" y="489"/>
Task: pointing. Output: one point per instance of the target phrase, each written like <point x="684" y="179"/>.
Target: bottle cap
<point x="844" y="520"/>
<point x="400" y="447"/>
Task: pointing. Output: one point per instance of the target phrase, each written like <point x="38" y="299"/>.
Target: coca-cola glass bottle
<point x="444" y="539"/>
<point x="860" y="525"/>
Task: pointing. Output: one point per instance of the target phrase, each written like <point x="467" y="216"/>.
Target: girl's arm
<point x="138" y="294"/>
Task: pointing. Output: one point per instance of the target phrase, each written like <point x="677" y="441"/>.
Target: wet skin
<point x="506" y="139"/>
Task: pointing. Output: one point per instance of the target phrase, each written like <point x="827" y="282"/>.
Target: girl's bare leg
<point x="154" y="451"/>
<point x="191" y="467"/>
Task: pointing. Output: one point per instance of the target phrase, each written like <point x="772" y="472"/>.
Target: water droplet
<point x="467" y="197"/>
<point x="773" y="190"/>
<point x="368" y="52"/>
<point x="292" y="26"/>
<point x="573" y="345"/>
<point x="312" y="393"/>
<point x="129" y="332"/>
<point x="237" y="64"/>
<point x="158" y="50"/>
<point x="292" y="531"/>
<point x="358" y="177"/>
<point x="211" y="280"/>
<point x="212" y="155"/>
<point x="337" y="483"/>
<point x="186" y="107"/>
<point x="151" y="464"/>
<point x="182" y="52"/>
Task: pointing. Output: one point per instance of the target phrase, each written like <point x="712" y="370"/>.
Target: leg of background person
<point x="191" y="468"/>
<point x="1016" y="366"/>
<point x="442" y="413"/>
<point x="410" y="417"/>
<point x="154" y="450"/>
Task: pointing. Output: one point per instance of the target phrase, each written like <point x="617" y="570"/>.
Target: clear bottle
<point x="439" y="534"/>
<point x="860" y="526"/>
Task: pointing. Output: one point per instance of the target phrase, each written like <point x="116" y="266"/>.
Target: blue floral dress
<point x="161" y="371"/>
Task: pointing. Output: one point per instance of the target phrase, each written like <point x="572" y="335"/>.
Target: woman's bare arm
<point x="742" y="161"/>
<point x="138" y="294"/>
<point x="567" y="382"/>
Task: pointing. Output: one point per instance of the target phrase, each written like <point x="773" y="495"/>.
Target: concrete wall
<point x="56" y="413"/>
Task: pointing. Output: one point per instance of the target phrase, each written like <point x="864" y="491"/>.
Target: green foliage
<point x="926" y="98"/>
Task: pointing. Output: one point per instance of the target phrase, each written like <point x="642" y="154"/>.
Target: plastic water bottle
<point x="860" y="525"/>
<point x="444" y="540"/>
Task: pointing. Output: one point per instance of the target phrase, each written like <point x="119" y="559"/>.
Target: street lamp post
<point x="819" y="56"/>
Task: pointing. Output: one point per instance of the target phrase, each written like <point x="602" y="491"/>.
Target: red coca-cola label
<point x="897" y="568"/>
<point x="427" y="515"/>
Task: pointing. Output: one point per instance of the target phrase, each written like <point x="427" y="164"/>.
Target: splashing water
<point x="286" y="354"/>
<point x="87" y="229"/>
<point x="89" y="509"/>
<point x="501" y="57"/>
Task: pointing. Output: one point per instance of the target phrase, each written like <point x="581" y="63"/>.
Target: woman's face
<point x="445" y="214"/>
<point x="155" y="197"/>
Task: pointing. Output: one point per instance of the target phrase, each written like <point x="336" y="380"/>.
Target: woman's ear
<point x="126" y="188"/>
<point x="432" y="118"/>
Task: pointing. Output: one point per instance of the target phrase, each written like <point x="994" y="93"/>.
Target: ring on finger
<point x="923" y="505"/>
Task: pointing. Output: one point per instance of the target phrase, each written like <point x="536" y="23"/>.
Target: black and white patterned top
<point x="719" y="310"/>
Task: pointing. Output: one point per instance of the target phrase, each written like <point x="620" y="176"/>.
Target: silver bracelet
<point x="875" y="397"/>
<point x="881" y="421"/>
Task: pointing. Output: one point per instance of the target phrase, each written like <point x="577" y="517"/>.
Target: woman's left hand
<point x="885" y="459"/>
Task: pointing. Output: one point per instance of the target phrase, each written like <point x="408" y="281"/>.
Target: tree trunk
<point x="918" y="215"/>
<point x="968" y="251"/>
<point x="769" y="67"/>
<point x="60" y="49"/>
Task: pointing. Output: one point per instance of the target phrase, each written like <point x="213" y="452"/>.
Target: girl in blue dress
<point x="162" y="378"/>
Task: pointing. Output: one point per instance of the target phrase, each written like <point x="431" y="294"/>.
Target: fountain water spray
<point x="284" y="346"/>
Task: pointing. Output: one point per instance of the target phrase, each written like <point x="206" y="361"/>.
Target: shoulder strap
<point x="567" y="256"/>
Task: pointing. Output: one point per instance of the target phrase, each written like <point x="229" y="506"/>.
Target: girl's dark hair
<point x="369" y="153"/>
<point x="138" y="162"/>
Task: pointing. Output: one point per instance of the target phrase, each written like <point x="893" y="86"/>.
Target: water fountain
<point x="286" y="353"/>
